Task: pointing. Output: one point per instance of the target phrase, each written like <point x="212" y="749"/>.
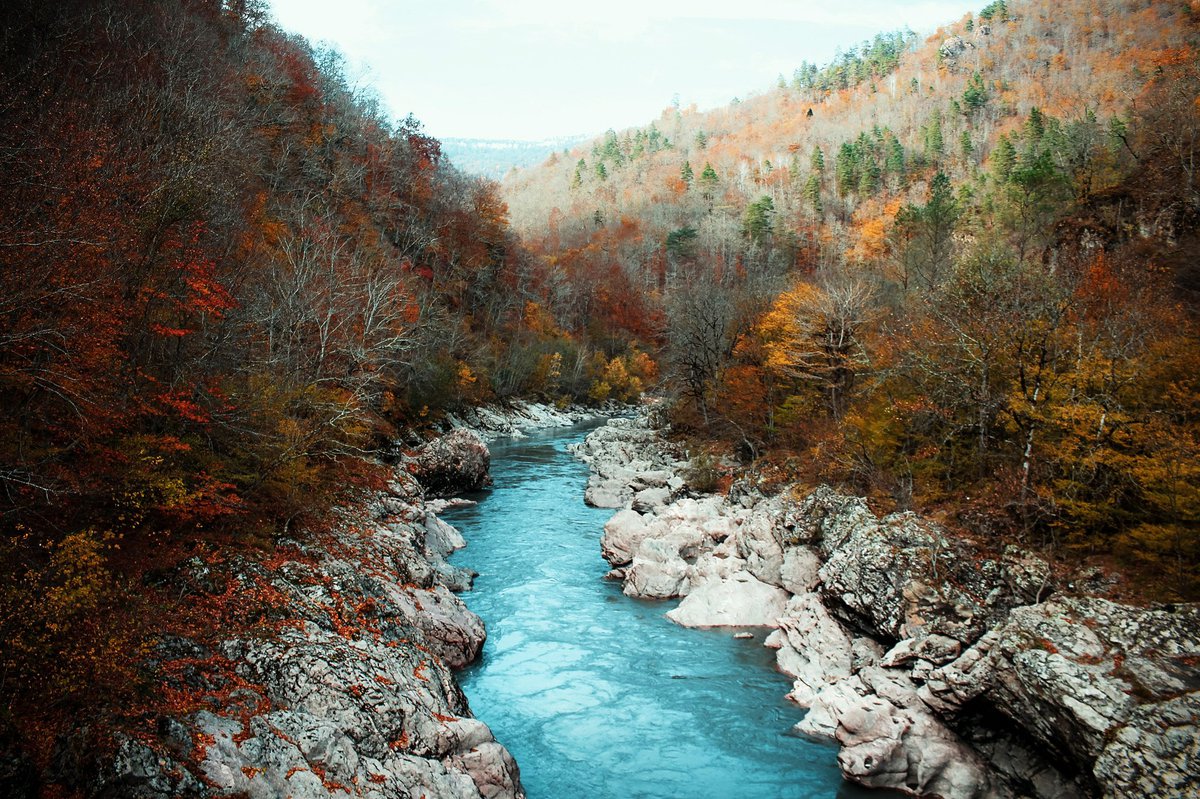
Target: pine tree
<point x="757" y="221"/>
<point x="601" y="172"/>
<point x="686" y="174"/>
<point x="1004" y="157"/>
<point x="845" y="169"/>
<point x="935" y="145"/>
<point x="709" y="179"/>
<point x="1035" y="126"/>
<point x="965" y="143"/>
<point x="894" y="163"/>
<point x="868" y="181"/>
<point x="580" y="168"/>
<point x="817" y="161"/>
<point x="701" y="139"/>
<point x="812" y="193"/>
<point x="976" y="95"/>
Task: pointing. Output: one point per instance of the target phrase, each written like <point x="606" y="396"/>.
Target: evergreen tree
<point x="686" y="174"/>
<point x="1004" y="157"/>
<point x="965" y="144"/>
<point x="577" y="180"/>
<point x="612" y="148"/>
<point x="1035" y="127"/>
<point x="868" y="181"/>
<point x="653" y="139"/>
<point x="639" y="145"/>
<point x="894" y="162"/>
<point x="812" y="193"/>
<point x="701" y="139"/>
<point x="817" y="162"/>
<point x="601" y="172"/>
<point x="845" y="169"/>
<point x="997" y="10"/>
<point x="976" y="95"/>
<point x="709" y="179"/>
<point x="757" y="222"/>
<point x="935" y="145"/>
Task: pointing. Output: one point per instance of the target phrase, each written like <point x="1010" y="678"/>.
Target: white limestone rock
<point x="740" y="601"/>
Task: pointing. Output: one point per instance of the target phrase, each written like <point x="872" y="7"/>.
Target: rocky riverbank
<point x="940" y="671"/>
<point x="344" y="684"/>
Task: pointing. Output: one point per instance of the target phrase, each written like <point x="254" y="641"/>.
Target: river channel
<point x="599" y="696"/>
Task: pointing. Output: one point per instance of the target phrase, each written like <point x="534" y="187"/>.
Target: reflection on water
<point x="598" y="695"/>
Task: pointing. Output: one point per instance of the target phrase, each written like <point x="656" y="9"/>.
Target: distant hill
<point x="493" y="158"/>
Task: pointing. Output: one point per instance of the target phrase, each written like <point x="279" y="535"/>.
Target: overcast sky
<point x="530" y="69"/>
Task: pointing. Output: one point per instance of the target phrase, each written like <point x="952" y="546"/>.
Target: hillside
<point x="229" y="283"/>
<point x="955" y="274"/>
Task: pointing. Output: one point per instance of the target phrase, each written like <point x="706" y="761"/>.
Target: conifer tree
<point x="817" y="162"/>
<point x="976" y="94"/>
<point x="1004" y="157"/>
<point x="894" y="163"/>
<point x="686" y="174"/>
<point x="812" y="193"/>
<point x="845" y="169"/>
<point x="935" y="145"/>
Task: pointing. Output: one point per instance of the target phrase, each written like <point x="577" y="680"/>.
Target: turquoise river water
<point x="600" y="696"/>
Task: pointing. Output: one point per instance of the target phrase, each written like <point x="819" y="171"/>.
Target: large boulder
<point x="890" y="739"/>
<point x="813" y="648"/>
<point x="1106" y="686"/>
<point x="904" y="577"/>
<point x="739" y="601"/>
<point x="453" y="463"/>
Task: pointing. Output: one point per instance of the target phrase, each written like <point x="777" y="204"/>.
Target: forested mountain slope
<point x="226" y="282"/>
<point x="956" y="273"/>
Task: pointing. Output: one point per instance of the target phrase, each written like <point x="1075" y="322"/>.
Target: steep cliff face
<point x="939" y="670"/>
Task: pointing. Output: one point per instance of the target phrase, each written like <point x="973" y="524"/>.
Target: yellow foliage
<point x="780" y="329"/>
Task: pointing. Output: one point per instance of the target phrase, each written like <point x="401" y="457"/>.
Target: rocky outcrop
<point x="627" y="459"/>
<point x="453" y="463"/>
<point x="512" y="420"/>
<point x="938" y="668"/>
<point x="346" y="685"/>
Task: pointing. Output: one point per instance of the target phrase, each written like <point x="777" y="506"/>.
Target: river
<point x="599" y="696"/>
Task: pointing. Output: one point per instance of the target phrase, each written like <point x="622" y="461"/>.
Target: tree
<point x="1003" y="159"/>
<point x="846" y="169"/>
<point x="686" y="174"/>
<point x="812" y="194"/>
<point x="894" y="162"/>
<point x="757" y="223"/>
<point x="934" y="143"/>
<point x="975" y="96"/>
<point x="924" y="236"/>
<point x="709" y="181"/>
<point x="817" y="160"/>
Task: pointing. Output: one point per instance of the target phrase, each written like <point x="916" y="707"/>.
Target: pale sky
<point x="532" y="69"/>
